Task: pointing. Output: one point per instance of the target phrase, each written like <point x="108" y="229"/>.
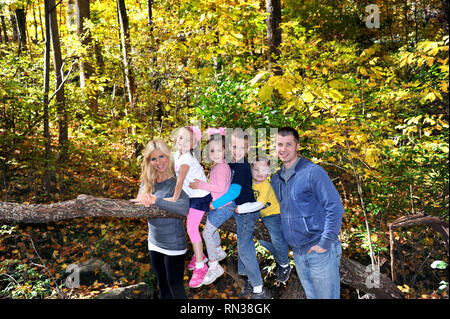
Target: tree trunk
<point x="150" y="14"/>
<point x="21" y="29"/>
<point x="273" y="20"/>
<point x="5" y="35"/>
<point x="60" y="97"/>
<point x="352" y="273"/>
<point x="86" y="69"/>
<point x="12" y="19"/>
<point x="125" y="40"/>
<point x="48" y="173"/>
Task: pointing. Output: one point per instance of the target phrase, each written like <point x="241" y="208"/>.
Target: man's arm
<point x="330" y="200"/>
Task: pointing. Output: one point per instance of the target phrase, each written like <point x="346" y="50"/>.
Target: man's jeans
<point x="319" y="272"/>
<point x="248" y="263"/>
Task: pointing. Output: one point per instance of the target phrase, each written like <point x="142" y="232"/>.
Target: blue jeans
<point x="220" y="215"/>
<point x="248" y="265"/>
<point x="319" y="272"/>
<point x="278" y="246"/>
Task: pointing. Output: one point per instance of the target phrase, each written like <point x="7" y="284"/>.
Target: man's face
<point x="287" y="148"/>
<point x="239" y="147"/>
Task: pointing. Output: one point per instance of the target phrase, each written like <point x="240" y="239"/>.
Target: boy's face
<point x="260" y="171"/>
<point x="239" y="147"/>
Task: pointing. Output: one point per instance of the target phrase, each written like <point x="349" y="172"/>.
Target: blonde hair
<point x="148" y="173"/>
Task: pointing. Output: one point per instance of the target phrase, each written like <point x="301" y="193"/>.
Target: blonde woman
<point x="166" y="236"/>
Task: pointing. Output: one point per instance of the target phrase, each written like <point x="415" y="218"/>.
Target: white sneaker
<point x="213" y="274"/>
<point x="221" y="255"/>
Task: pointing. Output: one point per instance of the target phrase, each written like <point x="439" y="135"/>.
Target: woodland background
<point x="86" y="86"/>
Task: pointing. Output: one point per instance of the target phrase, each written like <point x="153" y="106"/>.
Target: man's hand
<point x="317" y="249"/>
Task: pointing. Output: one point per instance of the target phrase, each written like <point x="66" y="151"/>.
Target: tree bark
<point x="63" y="138"/>
<point x="86" y="69"/>
<point x="352" y="273"/>
<point x="21" y="29"/>
<point x="125" y="40"/>
<point x="273" y="20"/>
<point x="48" y="173"/>
<point x="5" y="35"/>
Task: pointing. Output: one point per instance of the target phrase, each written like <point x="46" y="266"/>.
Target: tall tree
<point x="3" y="27"/>
<point x="125" y="40"/>
<point x="21" y="28"/>
<point x="150" y="14"/>
<point x="63" y="142"/>
<point x="86" y="69"/>
<point x="48" y="173"/>
<point x="273" y="20"/>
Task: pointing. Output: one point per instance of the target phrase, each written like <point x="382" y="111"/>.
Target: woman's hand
<point x="144" y="199"/>
<point x="195" y="184"/>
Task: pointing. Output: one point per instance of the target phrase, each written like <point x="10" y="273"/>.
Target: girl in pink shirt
<point x="219" y="182"/>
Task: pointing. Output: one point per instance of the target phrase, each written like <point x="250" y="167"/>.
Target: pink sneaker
<point x="198" y="276"/>
<point x="191" y="265"/>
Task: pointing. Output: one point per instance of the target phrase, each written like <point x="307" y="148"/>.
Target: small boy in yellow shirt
<point x="269" y="207"/>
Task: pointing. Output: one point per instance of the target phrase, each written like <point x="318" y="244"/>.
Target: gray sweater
<point x="168" y="233"/>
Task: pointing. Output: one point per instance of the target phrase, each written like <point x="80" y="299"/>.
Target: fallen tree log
<point x="352" y="273"/>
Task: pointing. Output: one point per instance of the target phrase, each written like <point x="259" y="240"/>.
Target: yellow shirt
<point x="264" y="193"/>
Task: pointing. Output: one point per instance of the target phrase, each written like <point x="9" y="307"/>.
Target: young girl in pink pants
<point x="189" y="169"/>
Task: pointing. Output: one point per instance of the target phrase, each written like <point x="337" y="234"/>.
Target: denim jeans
<point x="248" y="265"/>
<point x="278" y="246"/>
<point x="319" y="272"/>
<point x="220" y="215"/>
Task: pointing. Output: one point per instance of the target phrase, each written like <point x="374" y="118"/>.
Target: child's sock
<point x="284" y="266"/>
<point x="213" y="264"/>
<point x="199" y="265"/>
<point x="257" y="289"/>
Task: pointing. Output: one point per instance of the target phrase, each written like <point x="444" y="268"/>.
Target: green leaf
<point x="265" y="93"/>
<point x="439" y="264"/>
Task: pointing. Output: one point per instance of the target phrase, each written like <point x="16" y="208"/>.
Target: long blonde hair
<point x="148" y="173"/>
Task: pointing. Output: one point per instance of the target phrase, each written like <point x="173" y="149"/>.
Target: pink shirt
<point x="219" y="180"/>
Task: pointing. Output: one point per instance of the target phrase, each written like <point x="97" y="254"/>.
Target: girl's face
<point x="260" y="171"/>
<point x="216" y="151"/>
<point x="159" y="161"/>
<point x="183" y="141"/>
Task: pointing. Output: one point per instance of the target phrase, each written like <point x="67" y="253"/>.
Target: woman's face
<point x="159" y="161"/>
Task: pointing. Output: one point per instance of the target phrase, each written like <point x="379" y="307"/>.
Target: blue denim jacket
<point x="311" y="208"/>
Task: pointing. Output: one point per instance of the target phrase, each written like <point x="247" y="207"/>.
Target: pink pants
<point x="194" y="218"/>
